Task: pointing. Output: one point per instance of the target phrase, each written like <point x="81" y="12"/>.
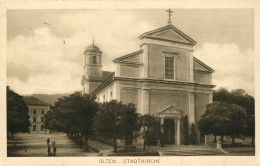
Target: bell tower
<point x="93" y="74"/>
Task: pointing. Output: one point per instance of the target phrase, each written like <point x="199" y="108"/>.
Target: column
<point x="178" y="139"/>
<point x="145" y="101"/>
<point x="191" y="108"/>
<point x="162" y="123"/>
<point x="145" y="61"/>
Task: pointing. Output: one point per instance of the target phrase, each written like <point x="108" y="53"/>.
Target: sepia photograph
<point x="130" y="82"/>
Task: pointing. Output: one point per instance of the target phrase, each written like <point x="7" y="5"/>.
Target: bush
<point x="193" y="134"/>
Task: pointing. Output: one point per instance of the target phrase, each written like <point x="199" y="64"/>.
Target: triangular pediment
<point x="169" y="33"/>
<point x="200" y="66"/>
<point x="170" y="110"/>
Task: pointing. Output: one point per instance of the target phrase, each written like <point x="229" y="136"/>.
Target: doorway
<point x="169" y="131"/>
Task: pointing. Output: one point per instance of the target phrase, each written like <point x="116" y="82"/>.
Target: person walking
<point x="54" y="150"/>
<point x="48" y="141"/>
<point x="49" y="150"/>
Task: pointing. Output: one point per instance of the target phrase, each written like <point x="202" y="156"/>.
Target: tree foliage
<point x="17" y="113"/>
<point x="185" y="131"/>
<point x="116" y="120"/>
<point x="193" y="135"/>
<point x="73" y="114"/>
<point x="223" y="119"/>
<point x="150" y="129"/>
<point x="240" y="98"/>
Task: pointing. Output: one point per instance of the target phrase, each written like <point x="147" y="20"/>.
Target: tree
<point x="17" y="113"/>
<point x="129" y="122"/>
<point x="73" y="114"/>
<point x="150" y="129"/>
<point x="240" y="98"/>
<point x="116" y="120"/>
<point x="185" y="130"/>
<point x="193" y="135"/>
<point x="223" y="119"/>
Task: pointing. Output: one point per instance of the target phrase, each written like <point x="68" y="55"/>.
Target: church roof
<point x="127" y="56"/>
<point x="30" y="100"/>
<point x="106" y="74"/>
<point x="169" y="33"/>
<point x="203" y="65"/>
<point x="93" y="48"/>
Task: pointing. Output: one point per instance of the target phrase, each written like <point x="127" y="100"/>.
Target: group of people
<point x="49" y="147"/>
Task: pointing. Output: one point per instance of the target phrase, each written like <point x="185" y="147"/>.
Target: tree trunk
<point x="77" y="138"/>
<point x="222" y="138"/>
<point x="215" y="138"/>
<point x="253" y="141"/>
<point x="115" y="146"/>
<point x="233" y="140"/>
<point x="144" y="144"/>
<point x="86" y="142"/>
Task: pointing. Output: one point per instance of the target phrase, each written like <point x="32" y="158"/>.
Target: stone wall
<point x="156" y="62"/>
<point x="202" y="77"/>
<point x="159" y="99"/>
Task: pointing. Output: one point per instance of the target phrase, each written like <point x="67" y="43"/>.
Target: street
<point x="35" y="145"/>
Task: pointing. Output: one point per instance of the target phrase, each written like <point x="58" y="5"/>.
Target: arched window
<point x="94" y="60"/>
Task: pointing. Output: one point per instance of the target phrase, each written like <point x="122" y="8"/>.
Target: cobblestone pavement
<point x="35" y="145"/>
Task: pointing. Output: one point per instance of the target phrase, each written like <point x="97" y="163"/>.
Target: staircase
<point x="190" y="152"/>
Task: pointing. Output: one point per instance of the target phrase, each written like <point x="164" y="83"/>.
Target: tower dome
<point x="93" y="48"/>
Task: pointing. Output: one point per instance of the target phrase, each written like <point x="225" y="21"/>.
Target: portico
<point x="170" y="124"/>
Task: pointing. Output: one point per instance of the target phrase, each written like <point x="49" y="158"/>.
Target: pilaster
<point x="191" y="108"/>
<point x="191" y="66"/>
<point x="210" y="98"/>
<point x="145" y="61"/>
<point x="117" y="93"/>
<point x="145" y="101"/>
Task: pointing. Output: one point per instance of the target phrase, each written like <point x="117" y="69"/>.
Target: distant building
<point x="163" y="78"/>
<point x="37" y="109"/>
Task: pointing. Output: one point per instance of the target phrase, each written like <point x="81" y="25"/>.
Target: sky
<point x="45" y="47"/>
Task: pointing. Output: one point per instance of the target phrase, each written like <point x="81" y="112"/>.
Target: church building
<point x="163" y="78"/>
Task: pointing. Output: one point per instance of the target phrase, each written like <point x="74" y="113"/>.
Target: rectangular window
<point x="34" y="127"/>
<point x="34" y="119"/>
<point x="42" y="119"/>
<point x="42" y="127"/>
<point x="169" y="67"/>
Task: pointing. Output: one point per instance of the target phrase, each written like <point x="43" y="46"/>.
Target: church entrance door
<point x="169" y="131"/>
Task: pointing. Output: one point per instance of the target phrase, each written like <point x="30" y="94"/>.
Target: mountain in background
<point x="50" y="99"/>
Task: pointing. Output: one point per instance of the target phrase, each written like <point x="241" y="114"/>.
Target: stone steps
<point x="193" y="152"/>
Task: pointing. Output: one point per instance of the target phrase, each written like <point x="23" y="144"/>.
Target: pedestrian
<point x="49" y="150"/>
<point x="54" y="150"/>
<point x="48" y="141"/>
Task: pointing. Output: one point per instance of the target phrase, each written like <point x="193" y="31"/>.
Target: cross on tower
<point x="170" y="14"/>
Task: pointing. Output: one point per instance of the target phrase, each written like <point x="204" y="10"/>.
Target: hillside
<point x="51" y="99"/>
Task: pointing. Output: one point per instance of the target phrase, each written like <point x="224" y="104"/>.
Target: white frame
<point x="174" y="56"/>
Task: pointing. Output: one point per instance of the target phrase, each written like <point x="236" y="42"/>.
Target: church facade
<point x="163" y="78"/>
